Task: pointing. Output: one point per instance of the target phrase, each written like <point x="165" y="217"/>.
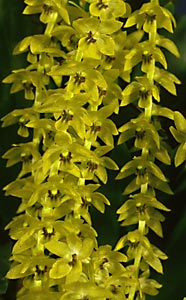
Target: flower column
<point x="142" y="207"/>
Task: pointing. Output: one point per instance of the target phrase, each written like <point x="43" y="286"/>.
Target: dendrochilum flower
<point x="27" y="81"/>
<point x="145" y="53"/>
<point x="73" y="254"/>
<point x="108" y="9"/>
<point x="142" y="90"/>
<point x="148" y="14"/>
<point x="180" y="136"/>
<point x="22" y="117"/>
<point x="96" y="39"/>
<point x="142" y="207"/>
<point x="49" y="10"/>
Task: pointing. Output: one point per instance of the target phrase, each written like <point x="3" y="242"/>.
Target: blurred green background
<point x="13" y="27"/>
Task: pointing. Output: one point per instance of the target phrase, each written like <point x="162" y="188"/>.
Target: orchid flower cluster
<point x="72" y="81"/>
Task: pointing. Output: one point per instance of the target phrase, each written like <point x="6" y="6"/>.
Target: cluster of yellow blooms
<point x="72" y="79"/>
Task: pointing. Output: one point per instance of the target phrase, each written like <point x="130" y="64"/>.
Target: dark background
<point x="13" y="27"/>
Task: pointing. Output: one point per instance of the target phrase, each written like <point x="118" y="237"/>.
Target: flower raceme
<point x="65" y="160"/>
<point x="72" y="79"/>
<point x="142" y="208"/>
